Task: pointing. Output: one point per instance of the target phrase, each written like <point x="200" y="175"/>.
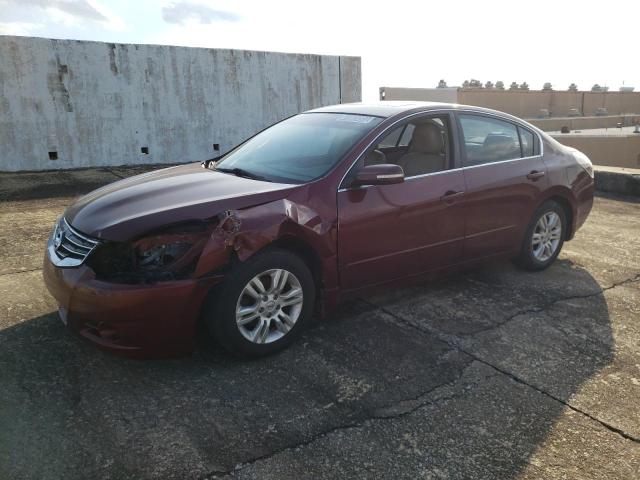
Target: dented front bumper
<point x="142" y="320"/>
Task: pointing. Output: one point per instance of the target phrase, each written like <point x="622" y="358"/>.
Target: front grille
<point x="67" y="247"/>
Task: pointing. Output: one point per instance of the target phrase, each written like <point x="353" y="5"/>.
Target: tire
<point x="538" y="252"/>
<point x="271" y="321"/>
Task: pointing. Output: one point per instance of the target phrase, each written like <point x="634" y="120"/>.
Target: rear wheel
<point x="263" y="304"/>
<point x="544" y="237"/>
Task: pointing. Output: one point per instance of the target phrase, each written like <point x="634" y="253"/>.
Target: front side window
<point x="299" y="149"/>
<point x="488" y="140"/>
<point x="421" y="146"/>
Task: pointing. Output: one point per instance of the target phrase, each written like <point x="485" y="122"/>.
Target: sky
<point x="402" y="43"/>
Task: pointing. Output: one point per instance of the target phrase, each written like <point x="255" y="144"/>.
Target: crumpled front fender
<point x="247" y="231"/>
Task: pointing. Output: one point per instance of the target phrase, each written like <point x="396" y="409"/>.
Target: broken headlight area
<point x="153" y="258"/>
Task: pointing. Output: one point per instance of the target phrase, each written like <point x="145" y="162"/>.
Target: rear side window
<point x="527" y="142"/>
<point x="488" y="140"/>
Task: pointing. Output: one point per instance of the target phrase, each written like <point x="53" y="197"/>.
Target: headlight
<point x="164" y="250"/>
<point x="165" y="256"/>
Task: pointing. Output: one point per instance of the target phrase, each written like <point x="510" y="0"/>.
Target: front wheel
<point x="263" y="304"/>
<point x="544" y="237"/>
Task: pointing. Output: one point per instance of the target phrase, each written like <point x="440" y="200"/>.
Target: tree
<point x="489" y="84"/>
<point x="573" y="87"/>
<point x="524" y="86"/>
<point x="513" y="86"/>
<point x="596" y="88"/>
<point x="465" y="84"/>
<point x="442" y="84"/>
<point x="473" y="83"/>
<point x="547" y="87"/>
<point x="500" y="85"/>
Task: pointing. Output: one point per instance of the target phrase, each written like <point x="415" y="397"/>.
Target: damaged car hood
<point x="128" y="208"/>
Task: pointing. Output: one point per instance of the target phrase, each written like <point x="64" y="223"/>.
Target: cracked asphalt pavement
<point x="494" y="373"/>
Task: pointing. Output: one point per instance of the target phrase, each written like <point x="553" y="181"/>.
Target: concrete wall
<point x="350" y="80"/>
<point x="613" y="151"/>
<point x="99" y="104"/>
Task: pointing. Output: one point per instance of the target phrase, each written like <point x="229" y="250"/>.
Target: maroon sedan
<point x="318" y="208"/>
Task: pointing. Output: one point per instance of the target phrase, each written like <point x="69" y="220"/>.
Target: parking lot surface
<point x="494" y="373"/>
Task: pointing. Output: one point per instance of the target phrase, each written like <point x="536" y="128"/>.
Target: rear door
<point x="386" y="232"/>
<point x="504" y="177"/>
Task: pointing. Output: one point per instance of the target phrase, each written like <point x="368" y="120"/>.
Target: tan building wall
<point x="614" y="102"/>
<point x="445" y="95"/>
<point x="584" y="123"/>
<point x="520" y="104"/>
<point x="527" y="104"/>
<point x="524" y="104"/>
<point x="614" y="151"/>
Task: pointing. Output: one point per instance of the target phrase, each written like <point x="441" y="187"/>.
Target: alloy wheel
<point x="269" y="306"/>
<point x="546" y="236"/>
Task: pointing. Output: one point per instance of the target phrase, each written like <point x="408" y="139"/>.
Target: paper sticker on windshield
<point x="354" y="118"/>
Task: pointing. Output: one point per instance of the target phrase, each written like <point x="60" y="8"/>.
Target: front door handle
<point x="450" y="196"/>
<point x="535" y="175"/>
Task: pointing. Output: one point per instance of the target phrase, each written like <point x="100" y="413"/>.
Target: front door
<point x="386" y="232"/>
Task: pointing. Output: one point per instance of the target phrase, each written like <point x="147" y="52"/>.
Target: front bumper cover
<point x="146" y="320"/>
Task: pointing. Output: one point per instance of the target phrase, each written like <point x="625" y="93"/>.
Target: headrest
<point x="498" y="140"/>
<point x="427" y="138"/>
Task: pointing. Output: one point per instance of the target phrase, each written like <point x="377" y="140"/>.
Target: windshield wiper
<point x="240" y="172"/>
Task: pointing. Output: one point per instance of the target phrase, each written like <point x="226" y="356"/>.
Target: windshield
<point x="299" y="149"/>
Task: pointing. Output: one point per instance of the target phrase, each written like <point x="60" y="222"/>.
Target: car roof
<point x="391" y="108"/>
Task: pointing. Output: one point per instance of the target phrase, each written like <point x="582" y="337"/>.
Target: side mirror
<point x="382" y="174"/>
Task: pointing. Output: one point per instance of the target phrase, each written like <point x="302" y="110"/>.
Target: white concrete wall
<point x="98" y="104"/>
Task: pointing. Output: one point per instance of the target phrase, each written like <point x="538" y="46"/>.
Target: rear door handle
<point x="450" y="196"/>
<point x="535" y="175"/>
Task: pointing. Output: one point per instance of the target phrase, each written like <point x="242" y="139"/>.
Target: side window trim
<point x="520" y="141"/>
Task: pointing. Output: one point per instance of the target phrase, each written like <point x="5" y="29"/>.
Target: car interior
<point x="494" y="148"/>
<point x="419" y="147"/>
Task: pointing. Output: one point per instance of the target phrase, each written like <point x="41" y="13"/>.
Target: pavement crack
<point x="454" y="342"/>
<point x="394" y="411"/>
<point x="550" y="304"/>
<point x="406" y="407"/>
<point x="17" y="272"/>
<point x="521" y="381"/>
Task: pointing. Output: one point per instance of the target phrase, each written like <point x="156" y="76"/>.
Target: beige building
<point x="526" y="103"/>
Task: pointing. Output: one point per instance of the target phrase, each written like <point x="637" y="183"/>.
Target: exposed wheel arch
<point x="308" y="255"/>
